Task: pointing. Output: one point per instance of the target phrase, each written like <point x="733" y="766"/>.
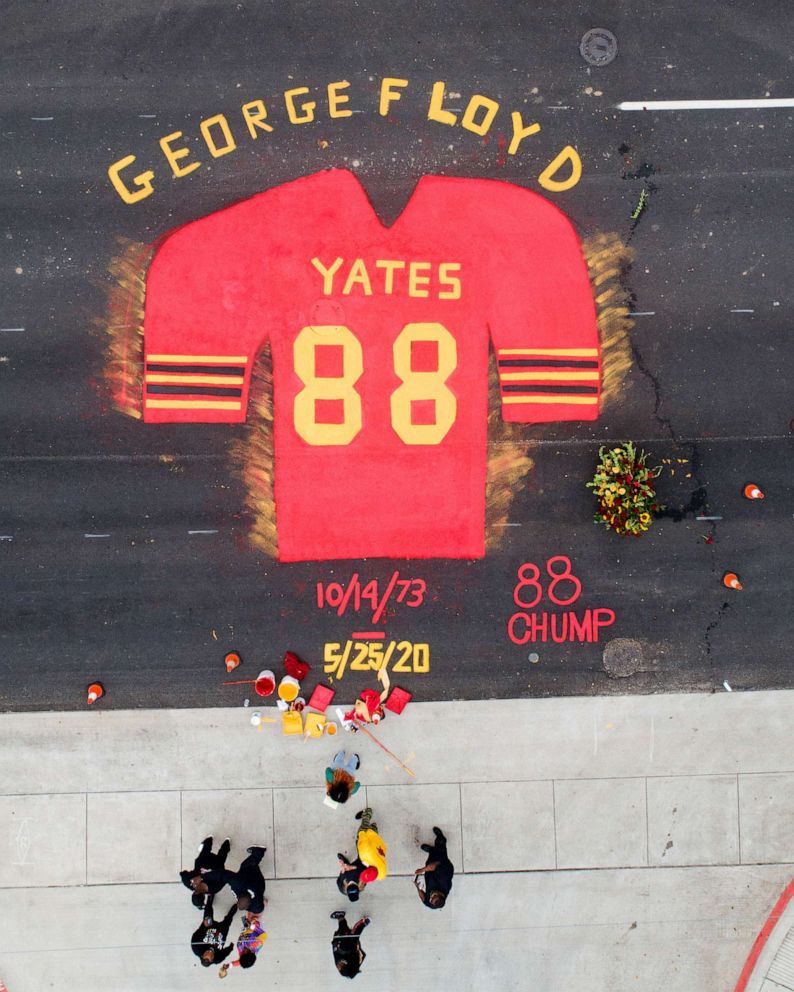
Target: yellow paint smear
<point x="607" y="258"/>
<point x="252" y="457"/>
<point x="122" y="327"/>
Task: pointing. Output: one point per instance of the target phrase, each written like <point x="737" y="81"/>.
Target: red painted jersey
<point x="379" y="339"/>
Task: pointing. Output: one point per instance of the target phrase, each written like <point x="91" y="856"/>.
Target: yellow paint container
<point x="288" y="688"/>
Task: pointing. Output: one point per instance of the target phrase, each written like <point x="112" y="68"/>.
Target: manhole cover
<point x="598" y="46"/>
<point x="622" y="657"/>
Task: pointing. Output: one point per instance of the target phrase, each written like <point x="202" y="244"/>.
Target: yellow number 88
<point x="416" y="386"/>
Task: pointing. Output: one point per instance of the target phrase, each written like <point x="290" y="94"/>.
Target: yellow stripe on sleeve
<point x="583" y="400"/>
<point x="193" y="404"/>
<point x="561" y="352"/>
<point x="185" y="378"/>
<point x="534" y="376"/>
<point x="199" y="359"/>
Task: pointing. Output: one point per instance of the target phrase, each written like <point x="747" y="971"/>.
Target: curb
<point x="763" y="936"/>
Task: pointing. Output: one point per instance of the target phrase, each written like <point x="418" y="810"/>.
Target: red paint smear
<point x="763" y="936"/>
<point x="369" y="635"/>
<point x="501" y="159"/>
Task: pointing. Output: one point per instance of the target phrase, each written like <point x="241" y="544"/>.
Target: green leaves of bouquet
<point x="624" y="487"/>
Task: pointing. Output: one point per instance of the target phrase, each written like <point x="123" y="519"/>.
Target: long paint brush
<point x="383" y="747"/>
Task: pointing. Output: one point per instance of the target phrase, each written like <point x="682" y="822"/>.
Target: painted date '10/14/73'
<point x="368" y="656"/>
<point x="353" y="595"/>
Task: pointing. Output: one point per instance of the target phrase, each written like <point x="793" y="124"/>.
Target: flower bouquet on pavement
<point x="624" y="487"/>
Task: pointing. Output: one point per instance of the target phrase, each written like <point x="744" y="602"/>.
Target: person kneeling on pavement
<point x="340" y="779"/>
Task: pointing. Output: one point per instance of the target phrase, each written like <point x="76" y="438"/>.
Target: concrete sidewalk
<point x="601" y="843"/>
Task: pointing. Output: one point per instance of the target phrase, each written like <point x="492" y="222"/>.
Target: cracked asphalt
<point x="123" y="551"/>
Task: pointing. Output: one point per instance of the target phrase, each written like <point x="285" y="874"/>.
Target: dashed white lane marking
<point x="507" y="525"/>
<point x="202" y="532"/>
<point x="763" y="104"/>
<point x="742" y="311"/>
<point x="6" y="537"/>
<point x="11" y="330"/>
<point x="148" y="116"/>
<point x="708" y="518"/>
<point x="643" y="313"/>
<point x="42" y="118"/>
<point x="96" y="535"/>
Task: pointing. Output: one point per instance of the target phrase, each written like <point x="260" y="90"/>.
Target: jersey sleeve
<point x="199" y="338"/>
<point x="542" y="314"/>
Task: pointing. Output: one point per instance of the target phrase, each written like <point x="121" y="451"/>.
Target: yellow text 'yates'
<point x="220" y="135"/>
<point x="389" y="276"/>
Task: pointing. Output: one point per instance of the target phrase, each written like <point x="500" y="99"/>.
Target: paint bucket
<point x="288" y="689"/>
<point x="330" y="728"/>
<point x="265" y="683"/>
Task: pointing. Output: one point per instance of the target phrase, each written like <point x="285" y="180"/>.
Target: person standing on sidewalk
<point x="209" y="941"/>
<point x="348" y="955"/>
<point x="434" y="881"/>
<point x="250" y="942"/>
<point x="349" y="879"/>
<point x="371" y="847"/>
<point x="248" y="883"/>
<point x="205" y="879"/>
<point x="340" y="779"/>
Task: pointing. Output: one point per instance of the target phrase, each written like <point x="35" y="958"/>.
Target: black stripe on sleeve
<point x="543" y="363"/>
<point x="195" y="390"/>
<point x="198" y="369"/>
<point x="530" y="388"/>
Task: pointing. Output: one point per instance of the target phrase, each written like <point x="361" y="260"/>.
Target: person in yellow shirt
<point x="371" y="846"/>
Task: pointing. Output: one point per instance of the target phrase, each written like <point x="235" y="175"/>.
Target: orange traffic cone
<point x="751" y="491"/>
<point x="232" y="661"/>
<point x="95" y="691"/>
<point x="731" y="580"/>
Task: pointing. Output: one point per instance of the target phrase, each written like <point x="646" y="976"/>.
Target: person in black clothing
<point x="248" y="883"/>
<point x="348" y="956"/>
<point x="349" y="880"/>
<point x="434" y="881"/>
<point x="205" y="879"/>
<point x="208" y="941"/>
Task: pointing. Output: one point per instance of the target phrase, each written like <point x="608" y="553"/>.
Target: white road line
<point x="742" y="311"/>
<point x="507" y="525"/>
<point x="11" y="330"/>
<point x="42" y="118"/>
<point x="708" y="518"/>
<point x="202" y="532"/>
<point x="96" y="535"/>
<point x="705" y="104"/>
<point x="6" y="537"/>
<point x="643" y="313"/>
<point x="147" y="116"/>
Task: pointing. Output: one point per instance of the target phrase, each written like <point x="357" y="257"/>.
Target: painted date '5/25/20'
<point x="369" y="656"/>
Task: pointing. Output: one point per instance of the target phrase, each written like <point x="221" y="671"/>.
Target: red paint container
<point x="265" y="684"/>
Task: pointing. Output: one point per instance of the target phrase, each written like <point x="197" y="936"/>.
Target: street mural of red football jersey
<point x="379" y="339"/>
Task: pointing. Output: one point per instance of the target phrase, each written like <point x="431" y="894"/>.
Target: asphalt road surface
<point x="123" y="550"/>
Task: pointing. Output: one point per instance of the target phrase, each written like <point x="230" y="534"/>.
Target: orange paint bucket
<point x="288" y="689"/>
